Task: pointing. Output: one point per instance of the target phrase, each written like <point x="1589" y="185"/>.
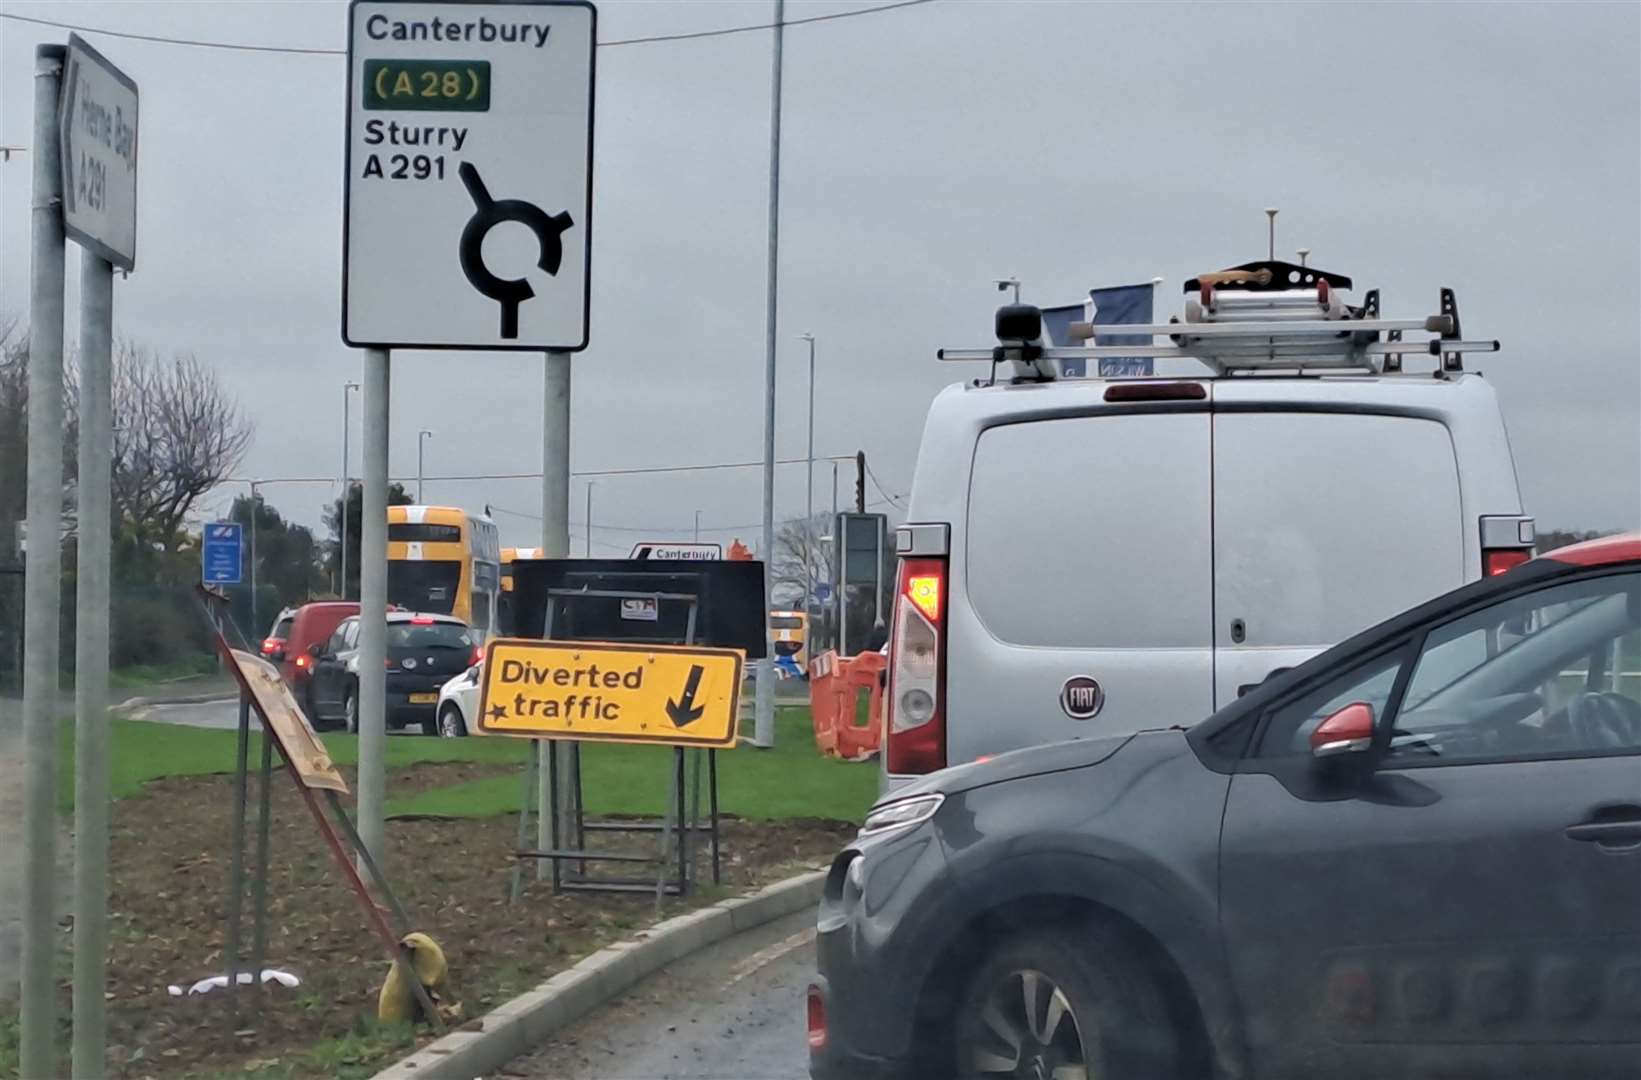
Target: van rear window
<point x="1093" y="532"/>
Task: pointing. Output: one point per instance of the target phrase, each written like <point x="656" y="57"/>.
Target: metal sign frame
<point x="587" y="226"/>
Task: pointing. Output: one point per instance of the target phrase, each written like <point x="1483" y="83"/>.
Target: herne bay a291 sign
<point x="97" y="135"/>
<point x="677" y="695"/>
<point x="463" y="117"/>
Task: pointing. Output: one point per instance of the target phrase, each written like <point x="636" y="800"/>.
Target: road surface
<point x="223" y="715"/>
<point x="730" y="1012"/>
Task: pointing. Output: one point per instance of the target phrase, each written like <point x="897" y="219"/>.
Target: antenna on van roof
<point x="1005" y="283"/>
<point x="1271" y="212"/>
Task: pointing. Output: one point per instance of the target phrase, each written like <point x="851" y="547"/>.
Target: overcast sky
<point x="1495" y="148"/>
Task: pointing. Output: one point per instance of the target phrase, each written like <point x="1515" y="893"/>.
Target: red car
<point x="286" y="645"/>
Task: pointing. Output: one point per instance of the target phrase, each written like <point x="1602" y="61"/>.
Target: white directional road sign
<point x="469" y="175"/>
<point x="97" y="129"/>
<point x="690" y="551"/>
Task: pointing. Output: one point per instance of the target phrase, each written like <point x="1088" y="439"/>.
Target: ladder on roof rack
<point x="1267" y="315"/>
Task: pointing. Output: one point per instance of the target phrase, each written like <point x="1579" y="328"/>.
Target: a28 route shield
<point x="675" y="695"/>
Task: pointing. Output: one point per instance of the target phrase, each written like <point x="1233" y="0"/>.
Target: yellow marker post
<point x="671" y="695"/>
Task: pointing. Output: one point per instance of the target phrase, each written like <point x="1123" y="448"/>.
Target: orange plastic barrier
<point x="835" y="686"/>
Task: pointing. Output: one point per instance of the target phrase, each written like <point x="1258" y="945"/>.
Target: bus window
<point x="424" y="585"/>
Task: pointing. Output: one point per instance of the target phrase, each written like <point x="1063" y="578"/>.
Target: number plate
<point x="423" y="699"/>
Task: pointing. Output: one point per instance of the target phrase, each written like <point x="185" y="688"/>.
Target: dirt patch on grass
<point x="169" y="867"/>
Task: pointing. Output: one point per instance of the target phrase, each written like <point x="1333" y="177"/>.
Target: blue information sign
<point x="220" y="554"/>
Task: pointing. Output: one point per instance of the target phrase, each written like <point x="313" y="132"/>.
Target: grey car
<point x="1417" y="854"/>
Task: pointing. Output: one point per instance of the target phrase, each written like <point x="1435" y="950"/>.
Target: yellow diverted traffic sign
<point x="676" y="695"/>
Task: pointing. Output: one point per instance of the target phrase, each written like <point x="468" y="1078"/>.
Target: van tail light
<point x="1498" y="560"/>
<point x="301" y="662"/>
<point x="815" y="1018"/>
<point x="1506" y="542"/>
<point x="917" y="669"/>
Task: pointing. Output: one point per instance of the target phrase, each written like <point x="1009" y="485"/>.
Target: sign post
<point x="463" y="117"/>
<point x="97" y="127"/>
<point x="44" y="567"/>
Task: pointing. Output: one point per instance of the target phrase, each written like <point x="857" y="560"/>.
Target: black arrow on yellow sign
<point x="684" y="710"/>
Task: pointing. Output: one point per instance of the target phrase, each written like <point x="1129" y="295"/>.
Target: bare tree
<point x="14" y="395"/>
<point x="178" y="433"/>
<point x="802" y="556"/>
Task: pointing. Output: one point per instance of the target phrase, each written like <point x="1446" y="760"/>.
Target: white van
<point x="1095" y="556"/>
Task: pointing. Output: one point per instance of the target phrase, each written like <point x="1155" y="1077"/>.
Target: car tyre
<point x="1070" y="1004"/>
<point x="450" y="724"/>
<point x="350" y="710"/>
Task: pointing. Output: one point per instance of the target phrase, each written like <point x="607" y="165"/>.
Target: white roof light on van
<point x="1265" y="315"/>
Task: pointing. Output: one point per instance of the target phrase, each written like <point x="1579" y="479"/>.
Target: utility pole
<point x="421" y="440"/>
<point x="44" y="570"/>
<point x="342" y="588"/>
<point x="860" y="481"/>
<point x="809" y="496"/>
<point x="256" y="501"/>
<point x="764" y="725"/>
<point x="589" y="522"/>
<point x="697" y="526"/>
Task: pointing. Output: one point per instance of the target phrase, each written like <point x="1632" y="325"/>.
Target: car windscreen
<point x="437" y="635"/>
<point x="423" y="586"/>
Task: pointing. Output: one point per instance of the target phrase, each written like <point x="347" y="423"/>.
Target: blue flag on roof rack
<point x="1115" y="306"/>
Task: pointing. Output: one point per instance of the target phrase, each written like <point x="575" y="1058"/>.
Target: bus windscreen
<point x="423" y="585"/>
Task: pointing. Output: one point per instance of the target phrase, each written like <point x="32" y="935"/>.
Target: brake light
<point x="1498" y="560"/>
<point x="271" y="644"/>
<point x="301" y="661"/>
<point x="917" y="670"/>
<point x="815" y="1017"/>
<point x="478" y="655"/>
<point x="421" y="620"/>
<point x="1156" y="391"/>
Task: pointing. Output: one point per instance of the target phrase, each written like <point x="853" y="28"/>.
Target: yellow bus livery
<point x="442" y="559"/>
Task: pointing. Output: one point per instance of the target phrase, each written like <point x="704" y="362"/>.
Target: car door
<point x="328" y="670"/>
<point x="1463" y="899"/>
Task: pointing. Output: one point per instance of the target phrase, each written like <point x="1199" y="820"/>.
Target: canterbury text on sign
<point x="677" y="695"/>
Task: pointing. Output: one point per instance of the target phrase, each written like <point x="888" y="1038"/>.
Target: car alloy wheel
<point x="1028" y="1029"/>
<point x="350" y="709"/>
<point x="450" y="723"/>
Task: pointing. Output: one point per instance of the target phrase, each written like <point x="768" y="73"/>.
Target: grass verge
<point x="791" y="781"/>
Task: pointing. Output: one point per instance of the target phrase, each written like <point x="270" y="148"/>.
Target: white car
<point x="1093" y="556"/>
<point x="459" y="702"/>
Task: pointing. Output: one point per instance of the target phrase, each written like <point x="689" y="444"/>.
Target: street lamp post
<point x="421" y="437"/>
<point x="256" y="500"/>
<point x="588" y="524"/>
<point x="809" y="499"/>
<point x="697" y="526"/>
<point x="342" y="586"/>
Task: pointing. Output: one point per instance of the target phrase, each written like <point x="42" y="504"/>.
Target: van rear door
<point x="1086" y="560"/>
<point x="1325" y="523"/>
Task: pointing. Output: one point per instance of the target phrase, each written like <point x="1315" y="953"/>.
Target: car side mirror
<point x="1349" y="730"/>
<point x="316" y="650"/>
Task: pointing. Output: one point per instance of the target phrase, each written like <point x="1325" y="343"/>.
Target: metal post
<point x="836" y="562"/>
<point x="342" y="590"/>
<point x="91" y="665"/>
<point x="555" y="544"/>
<point x="372" y="703"/>
<point x="259" y="877"/>
<point x="589" y="522"/>
<point x="421" y="437"/>
<point x="809" y="492"/>
<point x="1270" y="213"/>
<point x="44" y="568"/>
<point x="764" y="714"/>
<point x="236" y="859"/>
<point x="256" y="628"/>
<point x="697" y="526"/>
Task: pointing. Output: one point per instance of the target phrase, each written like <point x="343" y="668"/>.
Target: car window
<point x="339" y="637"/>
<point x="409" y="635"/>
<point x="282" y="628"/>
<point x="1288" y="727"/>
<point x="1545" y="672"/>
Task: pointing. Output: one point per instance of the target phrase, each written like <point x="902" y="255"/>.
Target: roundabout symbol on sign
<point x="488" y="213"/>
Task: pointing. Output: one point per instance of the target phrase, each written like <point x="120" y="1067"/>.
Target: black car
<point x="1416" y="855"/>
<point x="423" y="653"/>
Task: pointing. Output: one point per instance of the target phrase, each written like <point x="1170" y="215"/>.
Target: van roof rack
<point x="1266" y="315"/>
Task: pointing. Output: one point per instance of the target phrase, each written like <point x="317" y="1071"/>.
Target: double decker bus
<point x="507" y="556"/>
<point x="442" y="559"/>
